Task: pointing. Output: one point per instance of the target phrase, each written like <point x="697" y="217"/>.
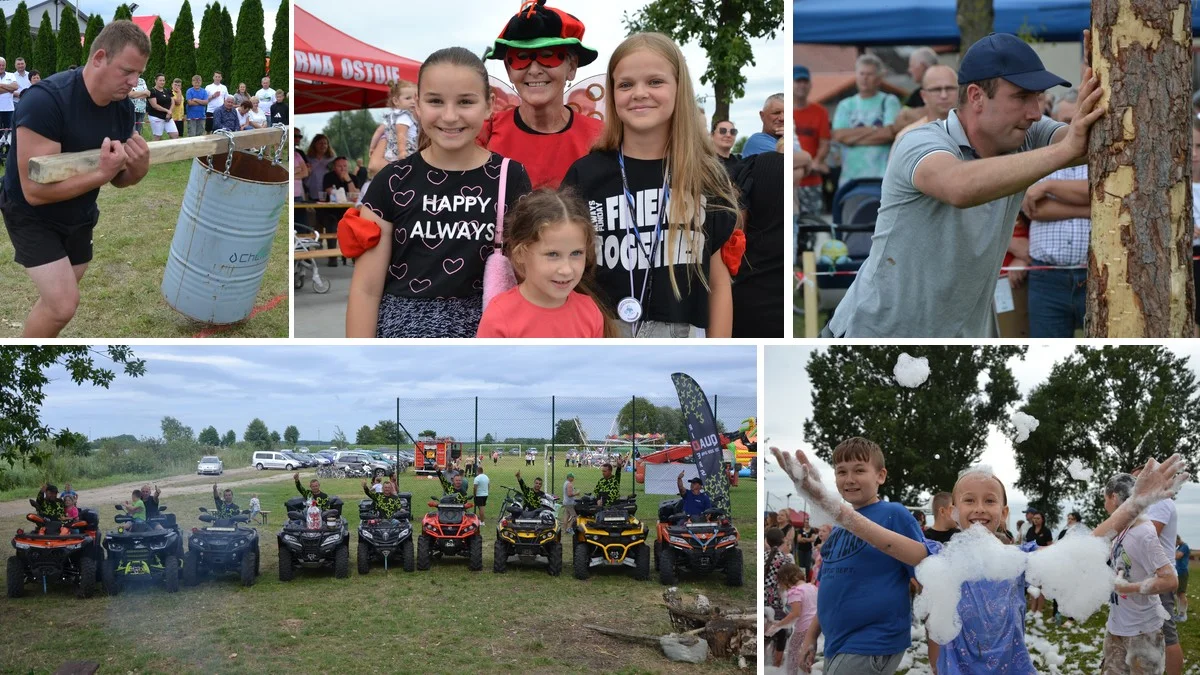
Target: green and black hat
<point x="536" y="26"/>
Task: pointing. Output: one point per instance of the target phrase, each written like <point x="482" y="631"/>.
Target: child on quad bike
<point x="454" y="486"/>
<point x="48" y="504"/>
<point x="72" y="511"/>
<point x="608" y="488"/>
<point x="225" y="506"/>
<point x="387" y="503"/>
<point x="313" y="492"/>
<point x="136" y="509"/>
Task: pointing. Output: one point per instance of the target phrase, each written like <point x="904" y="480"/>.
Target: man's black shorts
<point x="480" y="500"/>
<point x="38" y="241"/>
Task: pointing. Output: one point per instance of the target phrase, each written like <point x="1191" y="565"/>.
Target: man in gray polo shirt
<point x="951" y="194"/>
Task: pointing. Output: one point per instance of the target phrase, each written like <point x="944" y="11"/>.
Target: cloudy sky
<point x="787" y="404"/>
<point x="415" y="30"/>
<point x="318" y="387"/>
<point x="167" y="9"/>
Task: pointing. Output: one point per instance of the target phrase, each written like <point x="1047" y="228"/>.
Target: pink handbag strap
<point x="499" y="239"/>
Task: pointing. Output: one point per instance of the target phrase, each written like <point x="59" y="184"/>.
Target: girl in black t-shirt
<point x="660" y="199"/>
<point x="436" y="210"/>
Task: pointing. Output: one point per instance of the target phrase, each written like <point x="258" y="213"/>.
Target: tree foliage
<point x="249" y="47"/>
<point x="4" y="38"/>
<point x="1124" y="405"/>
<point x="23" y="377"/>
<point x="364" y="436"/>
<point x="19" y="42"/>
<point x="291" y="434"/>
<point x="181" y="50"/>
<point x="226" y="46"/>
<point x="45" y="49"/>
<point x="210" y="437"/>
<point x="257" y="434"/>
<point x="123" y="13"/>
<point x="174" y="430"/>
<point x="350" y="133"/>
<point x="208" y="54"/>
<point x="928" y="434"/>
<point x="94" y="26"/>
<point x="339" y="438"/>
<point x="71" y="443"/>
<point x="276" y="439"/>
<point x="722" y="28"/>
<point x="387" y="432"/>
<point x="488" y="438"/>
<point x="280" y="49"/>
<point x="69" y="45"/>
<point x="229" y="438"/>
<point x="428" y="433"/>
<point x="157" y="62"/>
<point x="566" y="432"/>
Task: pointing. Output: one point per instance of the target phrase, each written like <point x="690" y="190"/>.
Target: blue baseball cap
<point x="800" y="73"/>
<point x="1008" y="57"/>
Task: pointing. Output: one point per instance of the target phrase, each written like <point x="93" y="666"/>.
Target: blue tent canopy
<point x="932" y="22"/>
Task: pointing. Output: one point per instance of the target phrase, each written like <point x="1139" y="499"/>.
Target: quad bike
<point x="610" y="535"/>
<point x="531" y="534"/>
<point x="56" y="551"/>
<point x="705" y="544"/>
<point x="450" y="530"/>
<point x="379" y="537"/>
<point x="140" y="551"/>
<point x="301" y="545"/>
<point x="223" y="547"/>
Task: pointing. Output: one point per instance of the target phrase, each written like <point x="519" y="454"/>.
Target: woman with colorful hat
<point x="541" y="48"/>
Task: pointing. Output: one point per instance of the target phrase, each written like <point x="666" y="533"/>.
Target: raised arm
<point x="1155" y="483"/>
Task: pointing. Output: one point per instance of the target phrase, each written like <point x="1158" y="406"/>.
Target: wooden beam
<point x="55" y="168"/>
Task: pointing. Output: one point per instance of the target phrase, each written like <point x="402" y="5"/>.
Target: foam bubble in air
<point x="1077" y="470"/>
<point x="1025" y="424"/>
<point x="911" y="372"/>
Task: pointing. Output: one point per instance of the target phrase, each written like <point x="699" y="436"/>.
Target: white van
<point x="273" y="460"/>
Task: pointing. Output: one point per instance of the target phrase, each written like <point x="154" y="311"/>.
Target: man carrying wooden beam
<point x="951" y="194"/>
<point x="51" y="224"/>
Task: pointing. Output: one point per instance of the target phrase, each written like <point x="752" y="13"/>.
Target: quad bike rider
<point x="695" y="536"/>
<point x="528" y="528"/>
<point x="607" y="531"/>
<point x="315" y="534"/>
<point x="384" y="527"/>
<point x="142" y="548"/>
<point x="451" y="529"/>
<point x="57" y="549"/>
<point x="225" y="546"/>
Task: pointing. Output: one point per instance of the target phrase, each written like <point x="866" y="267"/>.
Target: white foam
<point x="911" y="372"/>
<point x="1025" y="424"/>
<point x="1074" y="571"/>
<point x="1077" y="470"/>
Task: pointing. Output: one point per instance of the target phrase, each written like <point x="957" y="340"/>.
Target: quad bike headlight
<point x="291" y="539"/>
<point x="21" y="546"/>
<point x="331" y="539"/>
<point x="680" y="541"/>
<point x="367" y="534"/>
<point x="196" y="542"/>
<point x="116" y="548"/>
<point x="728" y="539"/>
<point x="73" y="547"/>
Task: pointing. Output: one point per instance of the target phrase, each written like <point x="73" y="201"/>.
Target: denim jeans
<point x="1056" y="302"/>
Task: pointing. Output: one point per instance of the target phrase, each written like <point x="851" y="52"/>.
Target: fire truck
<point x="433" y="454"/>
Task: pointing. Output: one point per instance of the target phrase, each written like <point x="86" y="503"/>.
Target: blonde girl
<point x="399" y="128"/>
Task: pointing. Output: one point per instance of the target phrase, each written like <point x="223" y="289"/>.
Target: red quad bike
<point x="450" y="530"/>
<point x="705" y="544"/>
<point x="56" y="551"/>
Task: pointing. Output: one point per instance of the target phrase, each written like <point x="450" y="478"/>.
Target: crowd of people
<point x="642" y="224"/>
<point x="993" y="158"/>
<point x="864" y="575"/>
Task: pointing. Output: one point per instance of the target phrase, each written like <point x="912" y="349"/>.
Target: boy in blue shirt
<point x="196" y="100"/>
<point x="863" y="604"/>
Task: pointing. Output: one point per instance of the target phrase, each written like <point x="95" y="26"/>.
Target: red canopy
<point x="146" y="23"/>
<point x="342" y="73"/>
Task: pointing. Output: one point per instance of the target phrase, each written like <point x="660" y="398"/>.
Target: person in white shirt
<point x="22" y="79"/>
<point x="216" y="98"/>
<point x="8" y="85"/>
<point x="255" y="119"/>
<point x="266" y="97"/>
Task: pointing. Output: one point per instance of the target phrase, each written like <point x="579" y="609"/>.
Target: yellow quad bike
<point x="610" y="536"/>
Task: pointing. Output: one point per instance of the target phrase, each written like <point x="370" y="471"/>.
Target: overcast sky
<point x="415" y="30"/>
<point x="167" y="9"/>
<point x="322" y="386"/>
<point x="788" y="403"/>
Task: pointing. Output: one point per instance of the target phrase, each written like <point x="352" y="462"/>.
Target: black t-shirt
<point x="443" y="223"/>
<point x="59" y="108"/>
<point x="280" y="114"/>
<point x="1043" y="537"/>
<point x="151" y="504"/>
<point x="332" y="181"/>
<point x="940" y="535"/>
<point x="597" y="178"/>
<point x="163" y="98"/>
<point x="760" y="180"/>
<point x="805" y="546"/>
<point x="915" y="100"/>
<point x="732" y="163"/>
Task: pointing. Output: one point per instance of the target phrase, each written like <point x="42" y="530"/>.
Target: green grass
<point x="447" y="619"/>
<point x="119" y="295"/>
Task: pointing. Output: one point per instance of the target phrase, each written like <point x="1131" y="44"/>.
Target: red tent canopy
<point x="146" y="23"/>
<point x="334" y="71"/>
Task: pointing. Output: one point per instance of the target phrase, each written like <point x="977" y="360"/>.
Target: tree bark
<point x="1139" y="263"/>
<point x="975" y="19"/>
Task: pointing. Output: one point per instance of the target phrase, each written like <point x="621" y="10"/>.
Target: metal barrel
<point x="223" y="237"/>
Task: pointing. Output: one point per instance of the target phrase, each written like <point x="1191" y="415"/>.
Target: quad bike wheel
<point x="286" y="571"/>
<point x="424" y="552"/>
<point x="475" y="561"/>
<point x="556" y="559"/>
<point x="341" y="562"/>
<point x="406" y="555"/>
<point x="249" y="568"/>
<point x="108" y="572"/>
<point x="499" y="557"/>
<point x="581" y="561"/>
<point x="191" y="568"/>
<point x="641" y="556"/>
<point x="364" y="558"/>
<point x="733" y="567"/>
<point x="16" y="577"/>
<point x="87" y="577"/>
<point x="171" y="573"/>
<point x="666" y="566"/>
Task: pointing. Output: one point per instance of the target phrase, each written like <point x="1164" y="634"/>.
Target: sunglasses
<point x="721" y="131"/>
<point x="550" y="57"/>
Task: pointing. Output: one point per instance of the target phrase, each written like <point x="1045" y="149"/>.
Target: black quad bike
<point x="380" y="536"/>
<point x="705" y="544"/>
<point x="56" y="551"/>
<point x="327" y="545"/>
<point x="142" y="552"/>
<point x="610" y="535"/>
<point x="448" y="531"/>
<point x="530" y="534"/>
<point x="224" y="546"/>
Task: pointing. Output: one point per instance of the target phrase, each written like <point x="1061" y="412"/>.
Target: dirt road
<point x="185" y="484"/>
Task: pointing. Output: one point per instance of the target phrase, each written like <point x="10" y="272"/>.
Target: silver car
<point x="210" y="465"/>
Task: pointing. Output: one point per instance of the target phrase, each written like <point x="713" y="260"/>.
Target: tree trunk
<point x="975" y="19"/>
<point x="1139" y="265"/>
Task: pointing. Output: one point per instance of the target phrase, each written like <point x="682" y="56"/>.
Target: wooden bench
<point x="318" y="253"/>
<point x="264" y="515"/>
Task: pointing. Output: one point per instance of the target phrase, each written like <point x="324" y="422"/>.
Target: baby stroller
<point x="855" y="208"/>
<point x="305" y="238"/>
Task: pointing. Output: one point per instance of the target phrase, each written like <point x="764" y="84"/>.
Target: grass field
<point x="120" y="294"/>
<point x="444" y="620"/>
